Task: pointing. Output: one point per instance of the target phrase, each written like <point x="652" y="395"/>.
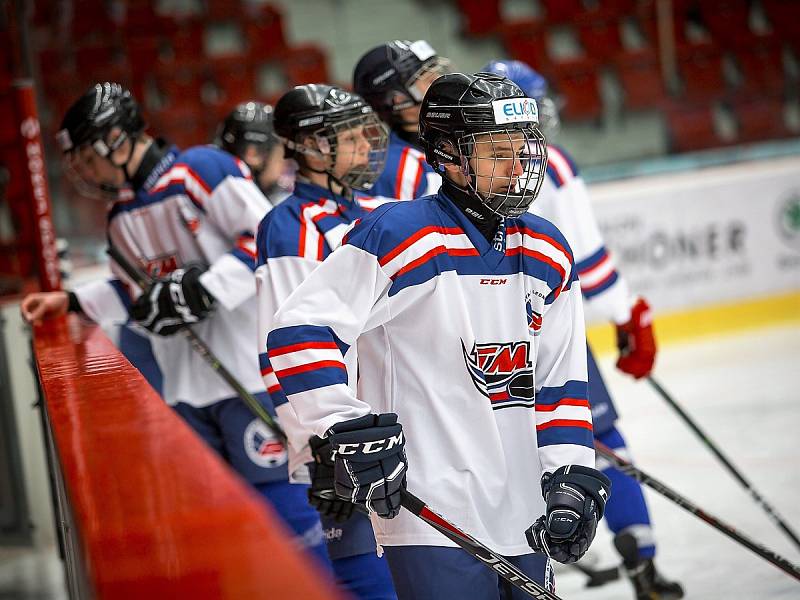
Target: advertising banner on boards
<point x="706" y="236"/>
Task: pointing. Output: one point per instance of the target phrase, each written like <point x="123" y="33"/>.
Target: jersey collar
<point x="311" y="191"/>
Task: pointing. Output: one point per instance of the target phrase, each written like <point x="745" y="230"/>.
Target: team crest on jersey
<point x="502" y="371"/>
<point x="262" y="446"/>
<point x="534" y="318"/>
<point x="161" y="265"/>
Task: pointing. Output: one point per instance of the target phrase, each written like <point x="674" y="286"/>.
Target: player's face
<point x="352" y="150"/>
<point x="498" y="162"/>
<point x="95" y="169"/>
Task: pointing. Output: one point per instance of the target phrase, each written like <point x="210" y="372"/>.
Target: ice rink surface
<point x="743" y="390"/>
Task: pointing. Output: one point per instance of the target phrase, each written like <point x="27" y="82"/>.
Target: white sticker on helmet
<point x="515" y="110"/>
<point x="422" y="49"/>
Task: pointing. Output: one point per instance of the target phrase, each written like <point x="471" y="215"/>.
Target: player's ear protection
<point x="443" y="150"/>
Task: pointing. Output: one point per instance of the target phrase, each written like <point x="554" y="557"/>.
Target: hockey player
<point x="459" y="305"/>
<point x="564" y="200"/>
<point x="393" y="78"/>
<point x="338" y="142"/>
<point x="248" y="134"/>
<point x="189" y="223"/>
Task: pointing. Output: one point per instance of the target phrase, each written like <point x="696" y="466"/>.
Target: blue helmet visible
<point x="534" y="85"/>
<point x="531" y="82"/>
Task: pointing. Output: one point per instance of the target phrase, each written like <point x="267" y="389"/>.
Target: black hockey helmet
<point x="321" y="112"/>
<point x="90" y="119"/>
<point x="89" y="123"/>
<point x="466" y="119"/>
<point x="386" y="76"/>
<point x="250" y="123"/>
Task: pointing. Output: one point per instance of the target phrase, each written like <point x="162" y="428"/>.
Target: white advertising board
<point x="706" y="236"/>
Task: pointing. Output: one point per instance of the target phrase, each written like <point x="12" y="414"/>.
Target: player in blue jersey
<point x="247" y="133"/>
<point x="393" y="77"/>
<point x="188" y="219"/>
<point x="338" y="143"/>
<point x="564" y="200"/>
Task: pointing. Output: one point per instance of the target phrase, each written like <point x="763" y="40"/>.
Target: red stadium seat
<point x="784" y="16"/>
<point x="186" y="44"/>
<point x="601" y="39"/>
<point x="760" y="118"/>
<point x="578" y="82"/>
<point x="223" y="10"/>
<point x="264" y="31"/>
<point x="701" y="69"/>
<point x="563" y="11"/>
<point x="640" y="76"/>
<point x="90" y="17"/>
<point x="525" y="40"/>
<point x="235" y="84"/>
<point x="306" y="63"/>
<point x="761" y="67"/>
<point x="142" y="52"/>
<point x="726" y="20"/>
<point x="480" y="17"/>
<point x="691" y="127"/>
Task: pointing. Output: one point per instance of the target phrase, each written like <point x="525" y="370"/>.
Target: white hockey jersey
<point x="199" y="205"/>
<point x="293" y="239"/>
<point x="564" y="201"/>
<point x="480" y="351"/>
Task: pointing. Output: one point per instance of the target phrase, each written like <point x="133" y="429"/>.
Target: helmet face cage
<point x="504" y="167"/>
<point x="82" y="177"/>
<point x="340" y="150"/>
<point x="431" y="69"/>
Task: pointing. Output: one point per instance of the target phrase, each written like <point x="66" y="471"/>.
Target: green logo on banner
<point x="789" y="220"/>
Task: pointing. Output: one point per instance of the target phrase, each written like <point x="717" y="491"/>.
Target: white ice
<point x="744" y="392"/>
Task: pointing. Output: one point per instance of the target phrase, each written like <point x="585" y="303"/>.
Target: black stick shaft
<point x="199" y="346"/>
<point x="771" y="512"/>
<point x="494" y="561"/>
<point x="765" y="553"/>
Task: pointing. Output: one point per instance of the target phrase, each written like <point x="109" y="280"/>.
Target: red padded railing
<point x="153" y="512"/>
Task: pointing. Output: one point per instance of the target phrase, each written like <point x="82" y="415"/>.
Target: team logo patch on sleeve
<point x="263" y="447"/>
<point x="534" y="318"/>
<point x="503" y="372"/>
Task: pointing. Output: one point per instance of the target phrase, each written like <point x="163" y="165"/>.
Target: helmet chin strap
<point x="124" y="165"/>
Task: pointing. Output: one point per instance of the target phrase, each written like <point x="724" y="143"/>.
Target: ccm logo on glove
<point x="372" y="446"/>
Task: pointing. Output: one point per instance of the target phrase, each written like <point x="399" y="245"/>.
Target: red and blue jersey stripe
<point x="563" y="415"/>
<point x="306" y="357"/>
<point x="596" y="273"/>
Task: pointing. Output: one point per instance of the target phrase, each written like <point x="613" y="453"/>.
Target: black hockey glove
<point x="321" y="494"/>
<point x="576" y="499"/>
<point x="173" y="301"/>
<point x="369" y="462"/>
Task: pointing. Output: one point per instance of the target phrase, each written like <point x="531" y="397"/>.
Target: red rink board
<point x="157" y="513"/>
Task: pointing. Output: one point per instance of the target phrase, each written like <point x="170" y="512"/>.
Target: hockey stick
<point x="628" y="468"/>
<point x="494" y="561"/>
<point x="771" y="512"/>
<point x="198" y="345"/>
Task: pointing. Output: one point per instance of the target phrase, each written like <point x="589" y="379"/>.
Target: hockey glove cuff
<point x="173" y="301"/>
<point x="576" y="499"/>
<point x="370" y="462"/>
<point x="321" y="493"/>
